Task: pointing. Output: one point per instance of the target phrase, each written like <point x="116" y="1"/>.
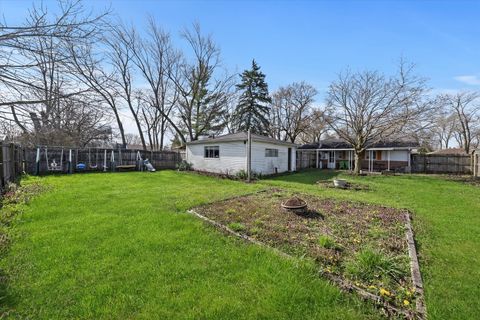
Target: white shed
<point x="227" y="154"/>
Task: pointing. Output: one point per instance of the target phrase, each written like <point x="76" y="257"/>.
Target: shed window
<point x="212" y="152"/>
<point x="271" y="153"/>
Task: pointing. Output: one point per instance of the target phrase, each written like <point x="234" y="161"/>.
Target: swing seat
<point x="81" y="166"/>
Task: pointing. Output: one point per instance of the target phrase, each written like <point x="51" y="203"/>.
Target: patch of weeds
<point x="255" y="230"/>
<point x="12" y="205"/>
<point x="328" y="242"/>
<point x="377" y="232"/>
<point x="259" y="223"/>
<point x="237" y="226"/>
<point x="369" y="265"/>
<point x="278" y="194"/>
<point x="230" y="211"/>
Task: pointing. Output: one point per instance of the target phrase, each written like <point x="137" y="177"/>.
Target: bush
<point x="370" y="264"/>
<point x="184" y="166"/>
<point x="236" y="226"/>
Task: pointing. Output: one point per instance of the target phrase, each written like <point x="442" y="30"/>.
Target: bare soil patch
<point x="362" y="244"/>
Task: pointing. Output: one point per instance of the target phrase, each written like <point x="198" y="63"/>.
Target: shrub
<point x="236" y="226"/>
<point x="370" y="264"/>
<point x="184" y="166"/>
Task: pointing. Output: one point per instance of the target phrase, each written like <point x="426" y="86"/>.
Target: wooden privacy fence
<point x="12" y="163"/>
<point x="436" y="163"/>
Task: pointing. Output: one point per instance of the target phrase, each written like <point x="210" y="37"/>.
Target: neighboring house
<point x="227" y="154"/>
<point x="338" y="154"/>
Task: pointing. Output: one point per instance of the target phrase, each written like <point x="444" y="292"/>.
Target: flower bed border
<point x="420" y="312"/>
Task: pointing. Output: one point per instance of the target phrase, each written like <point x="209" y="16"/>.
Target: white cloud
<point x="471" y="80"/>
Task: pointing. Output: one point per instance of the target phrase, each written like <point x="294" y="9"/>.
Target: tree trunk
<point x="120" y="127"/>
<point x="358" y="162"/>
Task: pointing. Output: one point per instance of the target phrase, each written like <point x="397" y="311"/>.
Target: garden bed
<point x="360" y="246"/>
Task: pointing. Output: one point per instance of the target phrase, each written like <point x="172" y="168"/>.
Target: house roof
<point x="449" y="151"/>
<point x="342" y="144"/>
<point x="240" y="136"/>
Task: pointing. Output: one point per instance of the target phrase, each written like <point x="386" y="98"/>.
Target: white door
<point x="331" y="160"/>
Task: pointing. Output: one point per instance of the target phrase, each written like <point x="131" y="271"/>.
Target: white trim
<point x="388" y="155"/>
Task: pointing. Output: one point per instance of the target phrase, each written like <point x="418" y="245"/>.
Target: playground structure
<point x="49" y="160"/>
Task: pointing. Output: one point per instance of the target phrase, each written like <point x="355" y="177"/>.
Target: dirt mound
<point x="294" y="202"/>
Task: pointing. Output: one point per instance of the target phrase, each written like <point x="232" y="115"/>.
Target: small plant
<point x="328" y="242"/>
<point x="241" y="175"/>
<point x="258" y="223"/>
<point x="255" y="230"/>
<point x="230" y="211"/>
<point x="237" y="226"/>
<point x="370" y="264"/>
<point x="184" y="166"/>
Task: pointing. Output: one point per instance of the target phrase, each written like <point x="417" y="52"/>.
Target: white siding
<point x="267" y="165"/>
<point x="232" y="157"/>
<point x="398" y="155"/>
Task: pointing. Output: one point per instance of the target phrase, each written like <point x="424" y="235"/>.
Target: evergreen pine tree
<point x="253" y="105"/>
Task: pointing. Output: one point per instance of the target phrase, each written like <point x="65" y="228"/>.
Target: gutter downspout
<point x="249" y="155"/>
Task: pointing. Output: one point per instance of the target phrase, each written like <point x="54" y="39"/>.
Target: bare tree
<point x="445" y="124"/>
<point x="291" y="110"/>
<point x="202" y="97"/>
<point x="466" y="107"/>
<point x="73" y="23"/>
<point x="121" y="43"/>
<point x="316" y="127"/>
<point x="368" y="107"/>
<point x="158" y="63"/>
<point x="89" y="69"/>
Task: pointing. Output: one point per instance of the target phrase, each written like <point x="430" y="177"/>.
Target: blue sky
<point x="315" y="40"/>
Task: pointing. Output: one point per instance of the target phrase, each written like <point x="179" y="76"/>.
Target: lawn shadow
<point x="310" y="214"/>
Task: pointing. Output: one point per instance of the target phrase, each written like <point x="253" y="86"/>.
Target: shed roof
<point x="241" y="136"/>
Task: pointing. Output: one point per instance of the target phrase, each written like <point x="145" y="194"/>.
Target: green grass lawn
<point x="120" y="246"/>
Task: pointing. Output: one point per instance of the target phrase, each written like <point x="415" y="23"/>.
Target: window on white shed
<point x="271" y="153"/>
<point x="212" y="152"/>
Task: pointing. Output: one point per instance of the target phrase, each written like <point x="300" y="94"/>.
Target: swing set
<point x="79" y="160"/>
